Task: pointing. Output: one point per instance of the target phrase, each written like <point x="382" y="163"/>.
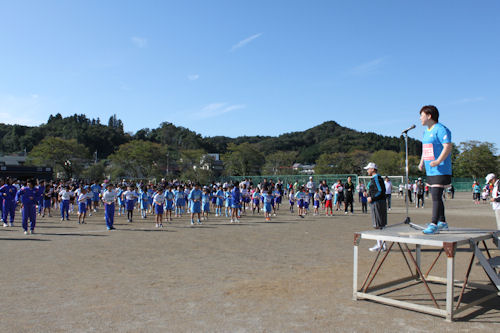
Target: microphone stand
<point x="407" y="181"/>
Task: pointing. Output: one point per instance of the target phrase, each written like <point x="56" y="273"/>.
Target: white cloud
<point x="217" y="109"/>
<point x="193" y="77"/>
<point x="368" y="67"/>
<point x="140" y="42"/>
<point x="245" y="41"/>
<point x="21" y="110"/>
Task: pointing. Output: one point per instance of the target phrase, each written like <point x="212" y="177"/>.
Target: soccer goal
<point x="395" y="180"/>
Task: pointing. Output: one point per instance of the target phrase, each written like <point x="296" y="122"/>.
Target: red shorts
<point x="328" y="204"/>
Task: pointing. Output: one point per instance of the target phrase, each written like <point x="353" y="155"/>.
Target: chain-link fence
<point x="460" y="184"/>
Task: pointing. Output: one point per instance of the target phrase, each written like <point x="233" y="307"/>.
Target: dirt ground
<point x="290" y="275"/>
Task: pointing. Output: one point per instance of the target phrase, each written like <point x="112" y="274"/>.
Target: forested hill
<point x="328" y="137"/>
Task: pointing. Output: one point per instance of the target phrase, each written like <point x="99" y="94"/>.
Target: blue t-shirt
<point x="195" y="195"/>
<point x="432" y="146"/>
<point x="205" y="197"/>
<point x="96" y="189"/>
<point x="169" y="196"/>
<point x="235" y="194"/>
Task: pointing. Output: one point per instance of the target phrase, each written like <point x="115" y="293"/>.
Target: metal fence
<point x="290" y="179"/>
<point x="460" y="184"/>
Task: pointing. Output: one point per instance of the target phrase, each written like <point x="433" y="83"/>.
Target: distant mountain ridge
<point x="328" y="137"/>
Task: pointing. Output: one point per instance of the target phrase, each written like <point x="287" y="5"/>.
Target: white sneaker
<point x="238" y="221"/>
<point x="345" y="213"/>
<point x="232" y="221"/>
<point x="11" y="224"/>
<point x="376" y="248"/>
<point x="25" y="232"/>
<point x="5" y="225"/>
<point x="157" y="225"/>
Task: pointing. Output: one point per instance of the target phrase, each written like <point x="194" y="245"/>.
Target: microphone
<point x="408" y="129"/>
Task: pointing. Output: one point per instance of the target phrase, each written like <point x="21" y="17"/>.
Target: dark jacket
<point x="349" y="191"/>
<point x="376" y="188"/>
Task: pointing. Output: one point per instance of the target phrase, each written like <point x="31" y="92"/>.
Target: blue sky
<point x="254" y="67"/>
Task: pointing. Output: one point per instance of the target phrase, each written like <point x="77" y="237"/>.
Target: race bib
<point x="428" y="152"/>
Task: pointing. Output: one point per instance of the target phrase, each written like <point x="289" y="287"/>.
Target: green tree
<point x="476" y="159"/>
<point x="280" y="163"/>
<point x="95" y="171"/>
<point x="63" y="155"/>
<point x="325" y="164"/>
<point x="190" y="159"/>
<point x="243" y="159"/>
<point x="139" y="159"/>
<point x="389" y="162"/>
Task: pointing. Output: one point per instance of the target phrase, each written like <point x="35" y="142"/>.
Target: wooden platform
<point x="405" y="236"/>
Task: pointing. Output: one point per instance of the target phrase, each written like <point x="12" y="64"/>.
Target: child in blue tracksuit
<point x="96" y="191"/>
<point x="144" y="202"/>
<point x="220" y="201"/>
<point x="8" y="193"/>
<point x="109" y="197"/>
<point x="121" y="200"/>
<point x="195" y="197"/>
<point x="28" y="196"/>
<point x="227" y="197"/>
<point x="180" y="201"/>
<point x="205" y="203"/>
<point x="267" y="199"/>
<point x="169" y="204"/>
<point x="65" y="196"/>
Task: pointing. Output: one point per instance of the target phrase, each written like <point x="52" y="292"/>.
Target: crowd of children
<point x="167" y="200"/>
<point x="174" y="199"/>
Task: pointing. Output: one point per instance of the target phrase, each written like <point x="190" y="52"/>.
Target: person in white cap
<point x="376" y="199"/>
<point x="495" y="195"/>
<point x="311" y="187"/>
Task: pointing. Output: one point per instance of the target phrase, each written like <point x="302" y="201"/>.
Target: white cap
<point x="371" y="165"/>
<point x="489" y="177"/>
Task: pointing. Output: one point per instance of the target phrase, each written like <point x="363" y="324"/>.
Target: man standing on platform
<point x="436" y="157"/>
<point x="376" y="199"/>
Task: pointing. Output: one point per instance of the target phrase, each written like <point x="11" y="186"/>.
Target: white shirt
<point x="311" y="186"/>
<point x="159" y="199"/>
<point x="494" y="195"/>
<point x="109" y="197"/>
<point x="129" y="195"/>
<point x="388" y="187"/>
<point x="65" y="195"/>
<point x="82" y="198"/>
